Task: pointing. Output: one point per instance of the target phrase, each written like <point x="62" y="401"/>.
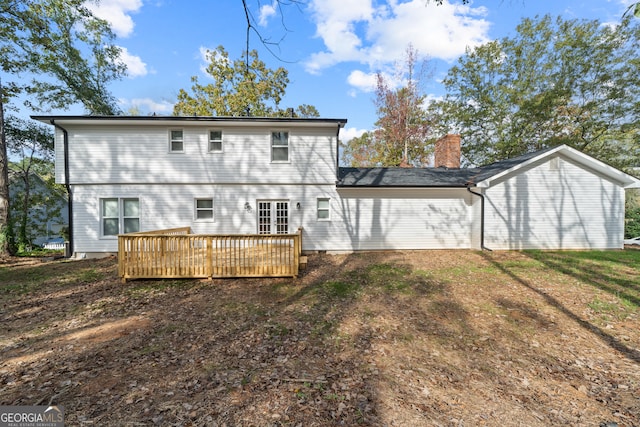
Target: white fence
<point x="54" y="246"/>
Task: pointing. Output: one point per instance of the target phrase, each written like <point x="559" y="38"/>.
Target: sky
<point x="331" y="48"/>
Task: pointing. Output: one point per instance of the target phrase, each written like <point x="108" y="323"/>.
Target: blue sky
<point x="332" y="47"/>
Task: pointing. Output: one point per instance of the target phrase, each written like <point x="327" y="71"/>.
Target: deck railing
<point x="176" y="253"/>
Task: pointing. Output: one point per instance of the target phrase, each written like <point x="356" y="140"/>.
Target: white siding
<point x="549" y="207"/>
<point x="128" y="154"/>
<point x="169" y="206"/>
<point x="361" y="219"/>
<point x="476" y="221"/>
<point x="387" y="218"/>
<point x="59" y="156"/>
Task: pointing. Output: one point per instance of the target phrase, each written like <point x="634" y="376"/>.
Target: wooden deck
<point x="175" y="253"/>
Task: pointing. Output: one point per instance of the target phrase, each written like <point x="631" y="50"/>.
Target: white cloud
<point x="356" y="31"/>
<point x="442" y="32"/>
<point x="336" y="22"/>
<point x="365" y="82"/>
<point x="266" y="12"/>
<point x="203" y="54"/>
<point x="430" y="98"/>
<point x="116" y="13"/>
<point x="347" y="134"/>
<point x="147" y="105"/>
<point x="135" y="66"/>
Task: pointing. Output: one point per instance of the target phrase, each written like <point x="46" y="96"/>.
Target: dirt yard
<point x="436" y="338"/>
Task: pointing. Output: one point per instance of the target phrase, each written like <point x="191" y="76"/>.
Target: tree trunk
<point x="23" y="241"/>
<point x="5" y="231"/>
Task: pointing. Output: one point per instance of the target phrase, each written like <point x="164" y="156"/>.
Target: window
<point x="323" y="209"/>
<point x="215" y="141"/>
<point x="273" y="217"/>
<point x="110" y="217"/>
<point x="280" y="146"/>
<point x="119" y="214"/>
<point x="204" y="209"/>
<point x="176" y="141"/>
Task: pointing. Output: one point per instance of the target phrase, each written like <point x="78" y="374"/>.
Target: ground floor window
<point x="323" y="210"/>
<point x="204" y="209"/>
<point x="119" y="215"/>
<point x="273" y="217"/>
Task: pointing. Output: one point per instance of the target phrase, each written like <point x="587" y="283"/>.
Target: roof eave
<point x="195" y="120"/>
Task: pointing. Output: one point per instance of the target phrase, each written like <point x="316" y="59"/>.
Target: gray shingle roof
<point x="427" y="177"/>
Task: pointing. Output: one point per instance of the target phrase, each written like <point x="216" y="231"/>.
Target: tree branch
<point x="265" y="42"/>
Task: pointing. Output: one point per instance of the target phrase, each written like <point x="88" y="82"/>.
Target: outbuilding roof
<point x="465" y="177"/>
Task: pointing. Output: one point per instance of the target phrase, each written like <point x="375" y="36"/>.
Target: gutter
<point x="65" y="141"/>
<point x="340" y="184"/>
<point x="482" y="246"/>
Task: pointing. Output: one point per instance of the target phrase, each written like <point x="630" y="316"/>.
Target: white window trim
<point x="209" y="150"/>
<point x="271" y="146"/>
<point x="273" y="223"/>
<point x="171" y="150"/>
<point x="121" y="216"/>
<point x="328" y="218"/>
<point x="195" y="210"/>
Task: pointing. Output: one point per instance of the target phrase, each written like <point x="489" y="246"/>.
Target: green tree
<point x="402" y="125"/>
<point x="69" y="53"/>
<point x="34" y="197"/>
<point x="556" y="82"/>
<point x="241" y="87"/>
<point x="634" y="9"/>
<point x="632" y="214"/>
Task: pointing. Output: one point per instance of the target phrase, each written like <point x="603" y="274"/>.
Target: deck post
<point x="120" y="255"/>
<point x="297" y="252"/>
<point x="300" y="230"/>
<point x="209" y="258"/>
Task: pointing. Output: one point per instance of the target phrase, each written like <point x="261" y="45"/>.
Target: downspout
<point x="338" y="153"/>
<point x="65" y="141"/>
<point x="482" y="246"/>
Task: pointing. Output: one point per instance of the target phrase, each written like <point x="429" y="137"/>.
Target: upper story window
<point x="176" y="141"/>
<point x="119" y="215"/>
<point x="204" y="209"/>
<point x="215" y="141"/>
<point x="280" y="146"/>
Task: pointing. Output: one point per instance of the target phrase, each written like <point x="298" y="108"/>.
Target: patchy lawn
<point x="396" y="339"/>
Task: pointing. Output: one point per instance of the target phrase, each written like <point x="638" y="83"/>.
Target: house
<point x="47" y="215"/>
<point x="245" y="175"/>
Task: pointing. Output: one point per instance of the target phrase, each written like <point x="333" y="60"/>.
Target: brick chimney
<point x="447" y="152"/>
<point x="404" y="163"/>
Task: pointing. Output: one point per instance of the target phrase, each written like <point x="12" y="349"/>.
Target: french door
<point x="273" y="217"/>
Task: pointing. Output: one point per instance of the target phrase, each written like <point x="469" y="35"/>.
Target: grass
<point x="614" y="272"/>
<point x="38" y="252"/>
<point x="381" y="278"/>
<point x="619" y="308"/>
<point x="370" y="339"/>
